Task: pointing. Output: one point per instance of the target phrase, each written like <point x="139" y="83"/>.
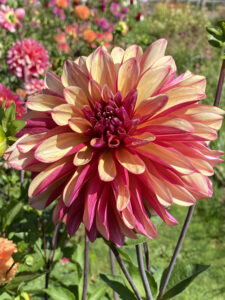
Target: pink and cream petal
<point x="132" y="162"/>
<point x="106" y="167"/>
<point x="79" y="125"/>
<point x="83" y="156"/>
<point x="62" y="113"/>
<point x="75" y="96"/>
<point x="44" y="102"/>
<point x="53" y="82"/>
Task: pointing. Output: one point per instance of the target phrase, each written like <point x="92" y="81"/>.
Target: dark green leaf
<point x="116" y="283"/>
<point x="21" y="278"/>
<point x="15" y="126"/>
<point x="13" y="213"/>
<point x="181" y="277"/>
<point x="59" y="293"/>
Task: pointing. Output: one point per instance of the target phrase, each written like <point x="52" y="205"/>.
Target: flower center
<point x="11" y="18"/>
<point x="108" y="124"/>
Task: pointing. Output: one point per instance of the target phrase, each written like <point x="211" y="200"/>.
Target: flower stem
<point x="86" y="268"/>
<point x="124" y="269"/>
<point x="176" y="252"/>
<point x="147" y="260"/>
<point x="112" y="263"/>
<point x="50" y="258"/>
<point x="220" y="84"/>
<point x="142" y="272"/>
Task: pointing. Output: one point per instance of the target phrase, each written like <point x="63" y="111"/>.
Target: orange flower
<point x="7" y="248"/>
<point x="82" y="12"/>
<point x="89" y="36"/>
<point x="121" y="138"/>
<point x="62" y="3"/>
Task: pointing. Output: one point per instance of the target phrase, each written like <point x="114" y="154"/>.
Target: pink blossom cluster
<point x="119" y="12"/>
<point x="28" y="58"/>
<point x="10" y="18"/>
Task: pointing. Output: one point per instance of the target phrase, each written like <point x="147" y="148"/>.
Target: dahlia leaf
<point x="21" y="278"/>
<point x="181" y="277"/>
<point x="116" y="283"/>
<point x="59" y="293"/>
<point x="15" y="126"/>
<point x="13" y="212"/>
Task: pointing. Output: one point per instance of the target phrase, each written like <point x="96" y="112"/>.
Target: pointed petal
<point x="43" y="102"/>
<point x="130" y="161"/>
<point x="106" y="167"/>
<point x="75" y="96"/>
<point x="128" y="76"/>
<point x="133" y="51"/>
<point x="79" y="125"/>
<point x="62" y="113"/>
<point x="155" y="51"/>
<point x="57" y="146"/>
<point x="53" y="82"/>
<point x="83" y="156"/>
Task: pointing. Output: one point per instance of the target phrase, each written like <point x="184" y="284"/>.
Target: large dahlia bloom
<point x="7" y="248"/>
<point x="116" y="139"/>
<point x="29" y="53"/>
<point x="10" y="18"/>
<point x="7" y="95"/>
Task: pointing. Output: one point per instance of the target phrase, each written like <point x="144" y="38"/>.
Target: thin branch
<point x="143" y="273"/>
<point x="50" y="258"/>
<point x="124" y="269"/>
<point x="86" y="268"/>
<point x="220" y="84"/>
<point x="112" y="263"/>
<point x="176" y="252"/>
<point x="147" y="259"/>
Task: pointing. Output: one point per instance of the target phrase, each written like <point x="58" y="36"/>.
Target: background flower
<point x="31" y="53"/>
<point x="81" y="12"/>
<point x="10" y="18"/>
<point x="7" y="95"/>
<point x="7" y="248"/>
<point x="128" y="140"/>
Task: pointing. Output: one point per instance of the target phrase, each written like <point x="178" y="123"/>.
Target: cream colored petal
<point x="79" y="125"/>
<point x="69" y="188"/>
<point x="117" y="56"/>
<point x="57" y="146"/>
<point x="166" y="61"/>
<point x="130" y="161"/>
<point x="133" y="51"/>
<point x="94" y="90"/>
<point x="83" y="156"/>
<point x="123" y="197"/>
<point x="43" y="102"/>
<point x="53" y="82"/>
<point x="35" y="183"/>
<point x="155" y="51"/>
<point x="151" y="105"/>
<point x="151" y="81"/>
<point x="128" y="76"/>
<point x="73" y="76"/>
<point x="106" y="94"/>
<point x="75" y="96"/>
<point x="103" y="69"/>
<point x="62" y="113"/>
<point x="106" y="167"/>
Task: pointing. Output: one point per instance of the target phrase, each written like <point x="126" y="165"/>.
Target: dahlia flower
<point x="116" y="139"/>
<point x="34" y="86"/>
<point x="10" y="18"/>
<point x="82" y="12"/>
<point x="7" y="95"/>
<point x="7" y="248"/>
<point x="29" y="53"/>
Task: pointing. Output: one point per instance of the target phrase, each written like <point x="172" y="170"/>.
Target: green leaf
<point x="21" y="278"/>
<point x="15" y="126"/>
<point x="97" y="293"/>
<point x="13" y="213"/>
<point x="116" y="283"/>
<point x="181" y="277"/>
<point x="59" y="293"/>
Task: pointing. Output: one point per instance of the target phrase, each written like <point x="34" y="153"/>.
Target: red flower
<point x="7" y="94"/>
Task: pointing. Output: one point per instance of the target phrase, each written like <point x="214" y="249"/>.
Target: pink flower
<point x="65" y="261"/>
<point x="58" y="12"/>
<point x="29" y="53"/>
<point x="10" y="18"/>
<point x="7" y="95"/>
<point x="103" y="23"/>
<point x="34" y="86"/>
<point x="118" y="138"/>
